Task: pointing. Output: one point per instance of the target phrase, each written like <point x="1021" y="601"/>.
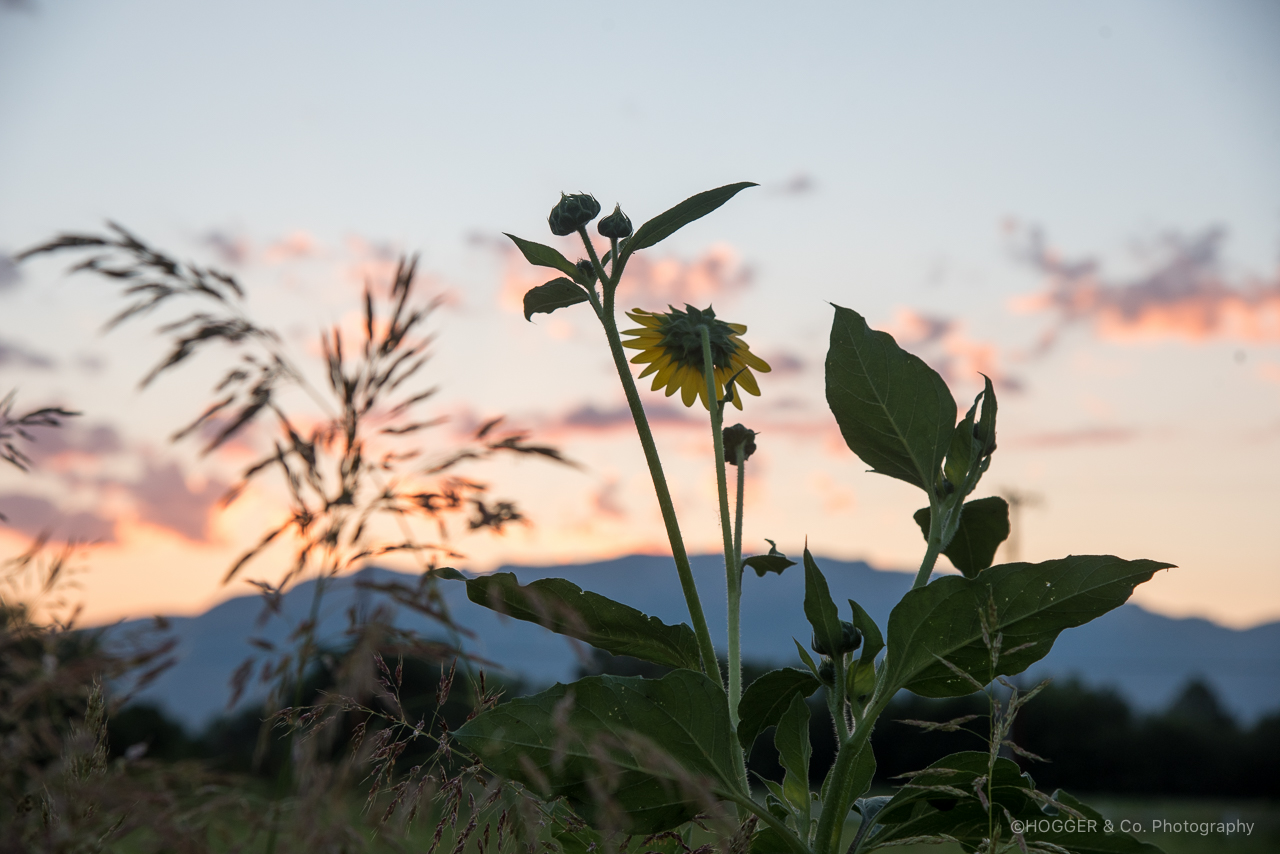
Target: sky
<point x="1080" y="200"/>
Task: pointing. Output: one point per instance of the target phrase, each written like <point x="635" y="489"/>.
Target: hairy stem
<point x="733" y="578"/>
<point x="605" y="312"/>
<point x="934" y="547"/>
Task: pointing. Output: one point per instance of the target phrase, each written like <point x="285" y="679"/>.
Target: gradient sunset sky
<point x="1081" y="200"/>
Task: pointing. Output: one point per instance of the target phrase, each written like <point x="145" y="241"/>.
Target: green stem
<point x="835" y="809"/>
<point x="737" y="512"/>
<point x="605" y="311"/>
<point x="733" y="578"/>
<point x="934" y="547"/>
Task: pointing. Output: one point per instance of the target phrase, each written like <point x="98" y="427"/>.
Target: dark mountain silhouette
<point x="1148" y="658"/>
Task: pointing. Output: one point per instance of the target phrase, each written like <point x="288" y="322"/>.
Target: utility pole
<point x="1017" y="500"/>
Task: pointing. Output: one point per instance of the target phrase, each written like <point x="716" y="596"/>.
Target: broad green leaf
<point x="557" y="293"/>
<point x="768" y="841"/>
<point x="984" y="525"/>
<point x="767" y="698"/>
<point x="894" y="411"/>
<point x="668" y="222"/>
<point x="544" y="256"/>
<point x="1033" y="603"/>
<point x="774" y="561"/>
<point x="669" y="745"/>
<point x="567" y="609"/>
<point x="792" y="740"/>
<point x="818" y="607"/>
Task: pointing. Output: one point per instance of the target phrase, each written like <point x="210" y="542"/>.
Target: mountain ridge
<point x="1147" y="657"/>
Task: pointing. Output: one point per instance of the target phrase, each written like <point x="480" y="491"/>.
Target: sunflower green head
<point x="670" y="343"/>
<point x="616" y="225"/>
<point x="572" y="212"/>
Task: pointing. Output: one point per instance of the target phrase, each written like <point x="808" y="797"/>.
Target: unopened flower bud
<point x="616" y="225"/>
<point x="827" y="672"/>
<point x="586" y="272"/>
<point x="735" y="438"/>
<point x="850" y="640"/>
<point x="572" y="213"/>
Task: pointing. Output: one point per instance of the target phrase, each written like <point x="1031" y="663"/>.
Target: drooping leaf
<point x="668" y="222"/>
<point x="670" y="748"/>
<point x="894" y="411"/>
<point x="557" y="293"/>
<point x="567" y="609"/>
<point x="818" y="607"/>
<point x="544" y="256"/>
<point x="984" y="525"/>
<point x="1033" y="603"/>
<point x="794" y="750"/>
<point x="767" y="698"/>
<point x="774" y="561"/>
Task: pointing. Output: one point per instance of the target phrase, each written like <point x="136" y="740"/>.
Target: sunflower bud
<point x="616" y="225"/>
<point x="827" y="672"/>
<point x="738" y="438"/>
<point x="572" y="213"/>
<point x="586" y="273"/>
<point x="850" y="640"/>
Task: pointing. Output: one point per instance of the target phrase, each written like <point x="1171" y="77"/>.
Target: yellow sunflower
<point x="671" y="343"/>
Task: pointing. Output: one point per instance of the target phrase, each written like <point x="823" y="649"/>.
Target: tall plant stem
<point x="605" y="312"/>
<point x="934" y="547"/>
<point x="733" y="577"/>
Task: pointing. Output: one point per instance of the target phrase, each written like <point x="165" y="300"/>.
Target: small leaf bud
<point x="572" y="212"/>
<point x="736" y="437"/>
<point x="850" y="640"/>
<point x="616" y="225"/>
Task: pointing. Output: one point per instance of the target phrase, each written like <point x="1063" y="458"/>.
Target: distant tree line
<point x="1091" y="738"/>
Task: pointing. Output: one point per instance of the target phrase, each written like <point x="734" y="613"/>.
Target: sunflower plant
<point x="620" y="757"/>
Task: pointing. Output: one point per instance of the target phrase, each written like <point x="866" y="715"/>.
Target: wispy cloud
<point x="799" y="184"/>
<point x="13" y="355"/>
<point x="33" y="515"/>
<point x="96" y="464"/>
<point x="1183" y="294"/>
<point x="945" y="345"/>
<point x="164" y="499"/>
<point x="9" y="274"/>
<point x="649" y="282"/>
<point x="1084" y="436"/>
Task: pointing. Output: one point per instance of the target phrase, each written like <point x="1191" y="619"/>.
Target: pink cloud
<point x="33" y="515"/>
<point x="1073" y="438"/>
<point x="649" y="282"/>
<point x="944" y="345"/>
<point x="1185" y="294"/>
<point x="164" y="499"/>
<point x="297" y="245"/>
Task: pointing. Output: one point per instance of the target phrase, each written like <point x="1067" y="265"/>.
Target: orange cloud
<point x="943" y="344"/>
<point x="648" y="282"/>
<point x="1184" y="295"/>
